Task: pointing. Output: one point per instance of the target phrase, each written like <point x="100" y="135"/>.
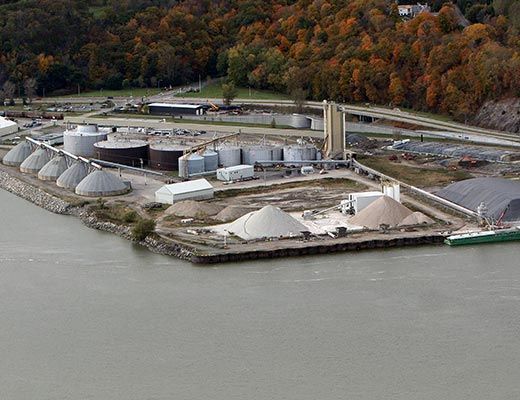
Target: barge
<point x="495" y="236"/>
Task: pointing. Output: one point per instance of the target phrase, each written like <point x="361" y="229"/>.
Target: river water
<point x="87" y="315"/>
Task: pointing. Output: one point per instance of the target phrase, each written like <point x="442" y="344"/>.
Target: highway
<point x="433" y="126"/>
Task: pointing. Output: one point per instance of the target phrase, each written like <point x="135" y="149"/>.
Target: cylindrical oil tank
<point x="165" y="156"/>
<point x="253" y="154"/>
<point x="299" y="153"/>
<point x="128" y="152"/>
<point x="210" y="160"/>
<point x="229" y="156"/>
<point x="80" y="141"/>
<point x="190" y="164"/>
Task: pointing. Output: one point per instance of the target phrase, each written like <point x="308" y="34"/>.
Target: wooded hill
<point x="344" y="50"/>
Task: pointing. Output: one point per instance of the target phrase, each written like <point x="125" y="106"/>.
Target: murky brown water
<point x="86" y="315"/>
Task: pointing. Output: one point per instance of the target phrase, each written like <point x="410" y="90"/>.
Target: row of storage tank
<point x="74" y="175"/>
<point x="88" y="141"/>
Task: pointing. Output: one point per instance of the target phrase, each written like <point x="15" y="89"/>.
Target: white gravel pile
<point x="268" y="222"/>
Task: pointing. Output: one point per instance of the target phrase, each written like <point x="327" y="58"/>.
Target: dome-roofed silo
<point x="80" y="141"/>
<point x="35" y="161"/>
<point x="18" y="154"/>
<point x="210" y="160"/>
<point x="101" y="183"/>
<point x="190" y="164"/>
<point x="73" y="175"/>
<point x="54" y="168"/>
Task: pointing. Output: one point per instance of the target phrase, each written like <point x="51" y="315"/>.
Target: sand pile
<point x="230" y="213"/>
<point x="416" y="218"/>
<point x="193" y="209"/>
<point x="268" y="222"/>
<point x="384" y="210"/>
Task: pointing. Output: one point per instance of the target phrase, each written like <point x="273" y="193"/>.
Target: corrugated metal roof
<point x="187" y="187"/>
<point x="192" y="106"/>
<point x="238" y="168"/>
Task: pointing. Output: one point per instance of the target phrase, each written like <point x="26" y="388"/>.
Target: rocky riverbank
<point x="34" y="195"/>
<point x="58" y="206"/>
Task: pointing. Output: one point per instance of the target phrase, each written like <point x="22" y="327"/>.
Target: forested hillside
<point x="345" y="50"/>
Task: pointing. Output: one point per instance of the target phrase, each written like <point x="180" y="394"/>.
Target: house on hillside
<point x="412" y="10"/>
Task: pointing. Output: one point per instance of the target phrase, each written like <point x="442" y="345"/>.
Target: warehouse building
<point x="501" y="197"/>
<point x="7" y="127"/>
<point x="176" y="109"/>
<point x="199" y="189"/>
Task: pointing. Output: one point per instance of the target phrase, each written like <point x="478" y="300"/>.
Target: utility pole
<point x="79" y="90"/>
<point x="200" y="84"/>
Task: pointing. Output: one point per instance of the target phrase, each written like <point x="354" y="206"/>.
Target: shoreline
<point x="55" y="205"/>
<point x="160" y="245"/>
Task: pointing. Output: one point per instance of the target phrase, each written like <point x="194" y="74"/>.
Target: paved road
<point x="158" y="124"/>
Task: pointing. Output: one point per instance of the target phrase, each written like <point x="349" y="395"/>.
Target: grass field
<point x="420" y="176"/>
<point x="135" y="92"/>
<point x="214" y="91"/>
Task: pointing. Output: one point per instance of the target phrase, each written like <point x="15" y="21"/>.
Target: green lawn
<point x="135" y="92"/>
<point x="214" y="91"/>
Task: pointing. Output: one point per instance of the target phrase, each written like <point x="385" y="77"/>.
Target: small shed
<point x="199" y="189"/>
<point x="235" y="173"/>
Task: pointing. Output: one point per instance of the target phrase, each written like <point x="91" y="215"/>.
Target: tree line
<point x="344" y="50"/>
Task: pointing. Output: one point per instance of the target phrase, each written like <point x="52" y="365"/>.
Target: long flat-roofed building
<point x="176" y="109"/>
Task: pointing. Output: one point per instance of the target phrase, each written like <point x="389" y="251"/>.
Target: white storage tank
<point x="210" y="160"/>
<point x="190" y="164"/>
<point x="299" y="153"/>
<point x="300" y="121"/>
<point x="277" y="154"/>
<point x="235" y="173"/>
<point x="253" y="154"/>
<point x="229" y="156"/>
<point x="80" y="141"/>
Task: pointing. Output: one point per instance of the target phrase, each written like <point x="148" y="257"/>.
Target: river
<point x="88" y="315"/>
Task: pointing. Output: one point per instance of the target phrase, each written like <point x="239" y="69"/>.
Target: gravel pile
<point x="383" y="211"/>
<point x="416" y="218"/>
<point x="193" y="209"/>
<point x="231" y="213"/>
<point x="268" y="222"/>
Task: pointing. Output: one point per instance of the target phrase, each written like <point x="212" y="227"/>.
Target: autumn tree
<point x="229" y="92"/>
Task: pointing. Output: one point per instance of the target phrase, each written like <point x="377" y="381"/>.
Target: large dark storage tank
<point x="165" y="156"/>
<point x="127" y="152"/>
